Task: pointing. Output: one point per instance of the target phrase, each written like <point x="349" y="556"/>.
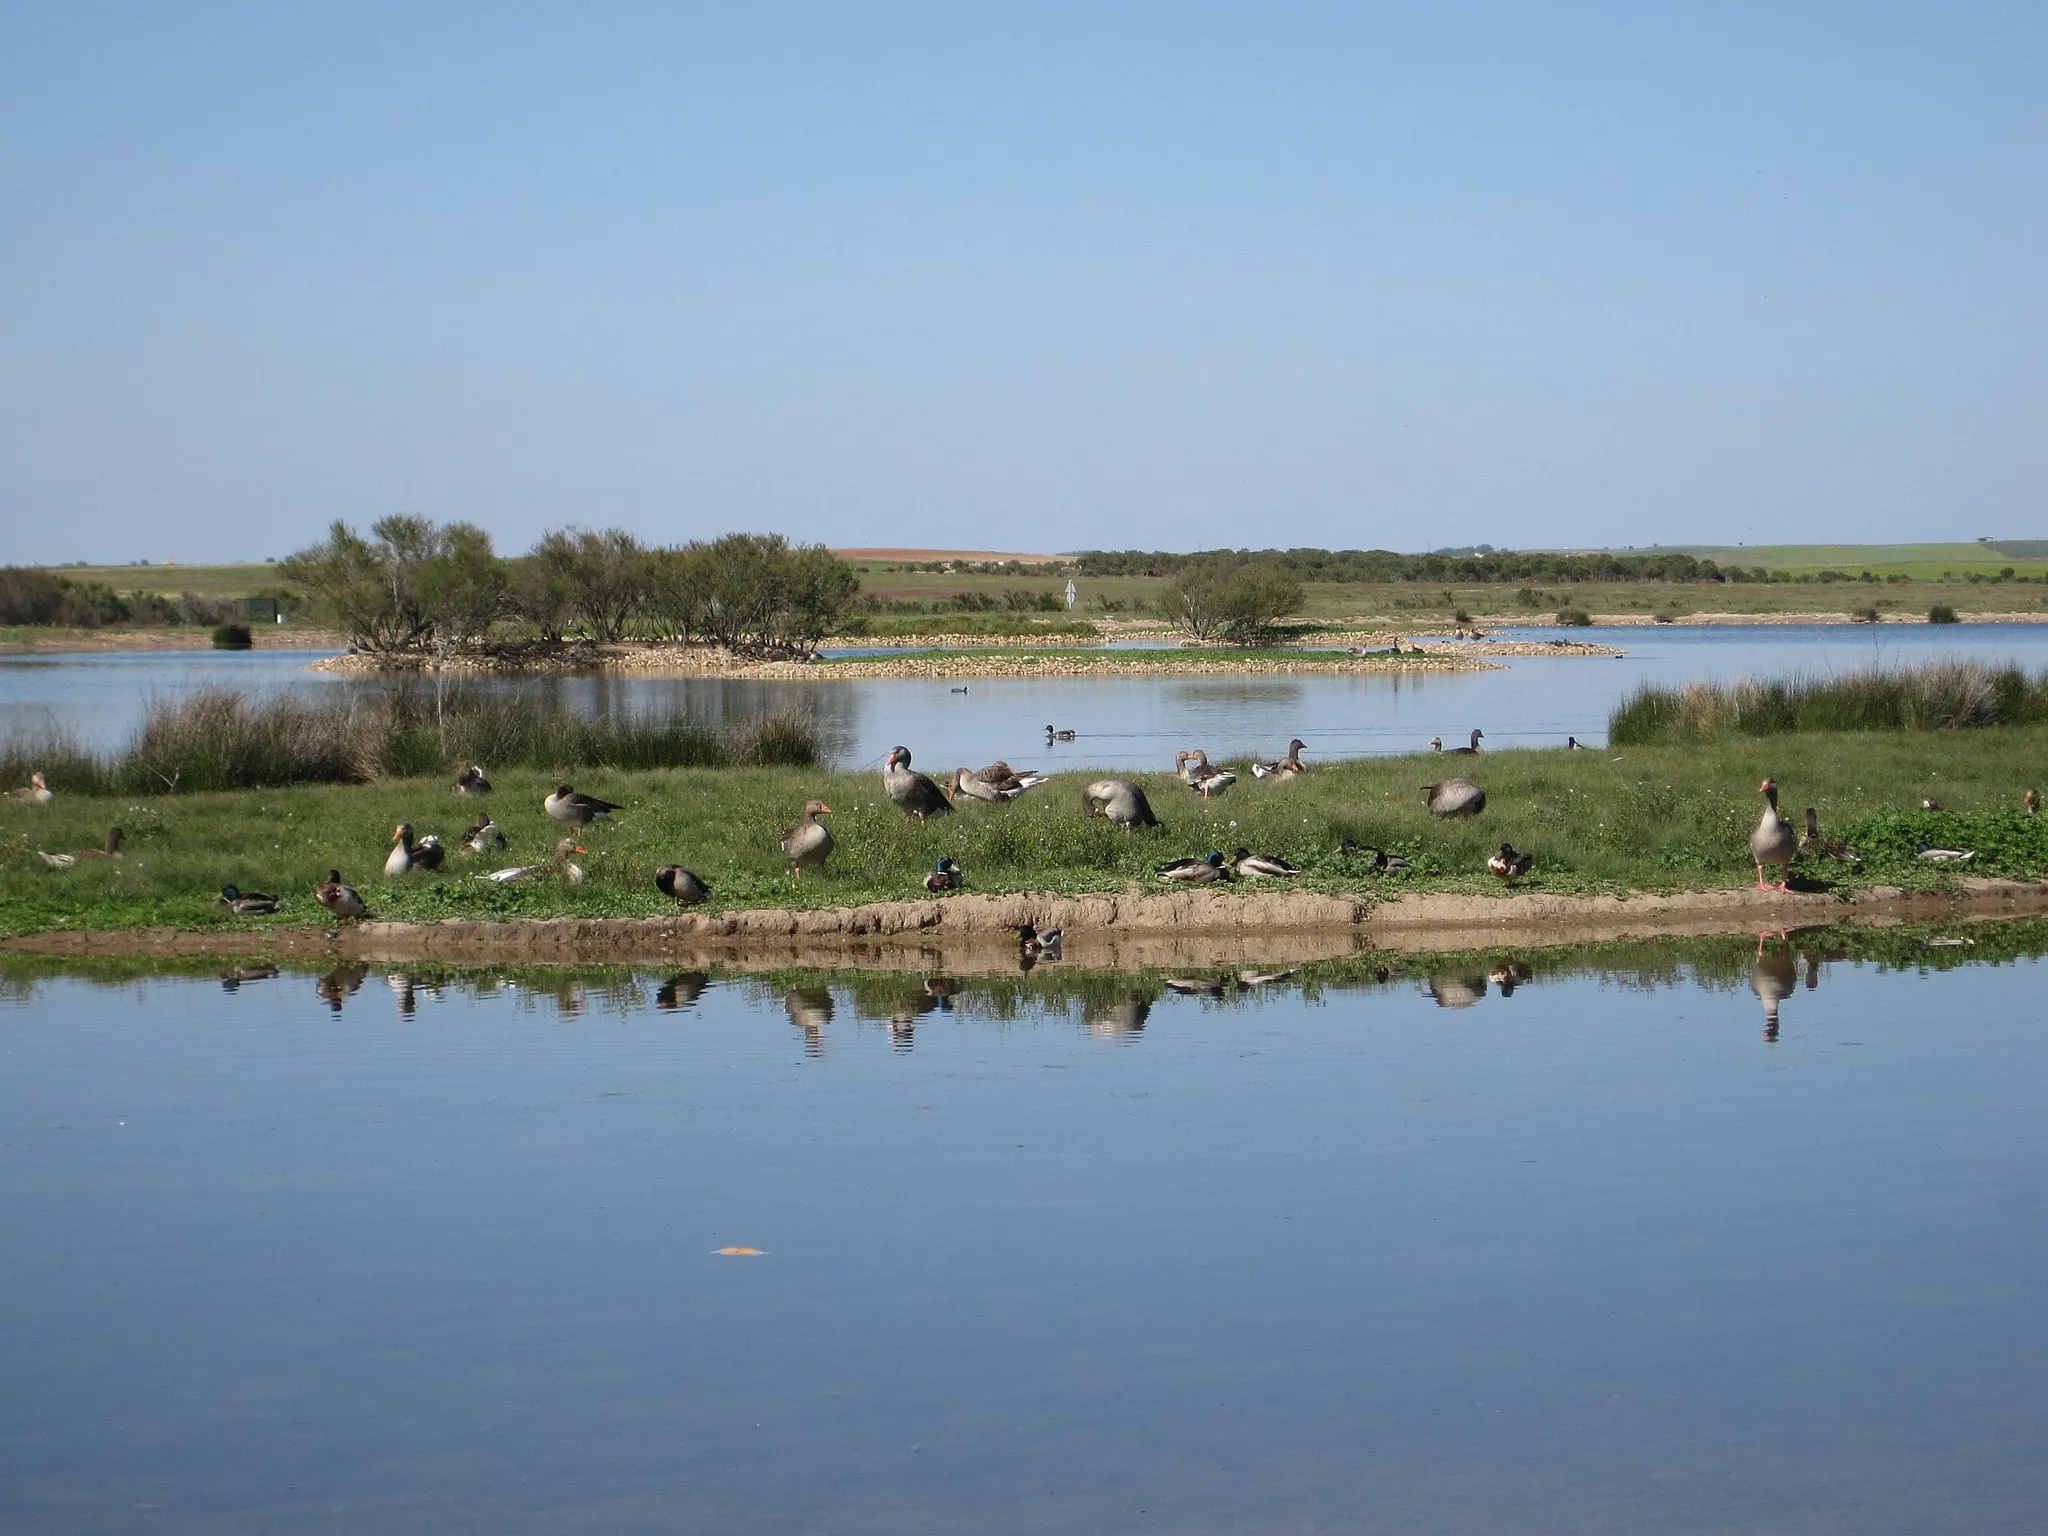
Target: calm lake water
<point x="437" y="1252"/>
<point x="1123" y="722"/>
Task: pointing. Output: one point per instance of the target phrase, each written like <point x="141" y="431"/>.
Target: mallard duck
<point x="111" y="849"/>
<point x="1930" y="804"/>
<point x="1383" y="863"/>
<point x="1814" y="846"/>
<point x="681" y="885"/>
<point x="471" y="781"/>
<point x="562" y="866"/>
<point x="1509" y="865"/>
<point x="1202" y="871"/>
<point x="338" y="898"/>
<point x="1262" y="865"/>
<point x="1053" y="735"/>
<point x="1119" y="800"/>
<point x="246" y="903"/>
<point x="37" y="790"/>
<point x="1454" y="797"/>
<point x="807" y="844"/>
<point x="1036" y="942"/>
<point x="482" y="835"/>
<point x="406" y="856"/>
<point x="1194" y="770"/>
<point x="1288" y="767"/>
<point x="913" y="792"/>
<point x="566" y="805"/>
<point x="1466" y="751"/>
<point x="1773" y="841"/>
<point x="945" y="876"/>
<point x="1944" y="855"/>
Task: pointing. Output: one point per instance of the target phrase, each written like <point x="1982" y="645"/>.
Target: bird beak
<point x="824" y="810"/>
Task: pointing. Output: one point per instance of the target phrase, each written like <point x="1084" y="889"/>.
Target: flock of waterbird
<point x="1773" y="845"/>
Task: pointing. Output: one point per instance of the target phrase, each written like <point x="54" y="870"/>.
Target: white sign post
<point x="1071" y="594"/>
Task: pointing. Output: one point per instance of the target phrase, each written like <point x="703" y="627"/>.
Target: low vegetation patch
<point x="1940" y="696"/>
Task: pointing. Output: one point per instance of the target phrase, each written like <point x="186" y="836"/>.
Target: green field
<point x="1921" y="562"/>
<point x="1658" y="818"/>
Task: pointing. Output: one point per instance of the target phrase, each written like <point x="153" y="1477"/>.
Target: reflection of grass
<point x="1663" y="818"/>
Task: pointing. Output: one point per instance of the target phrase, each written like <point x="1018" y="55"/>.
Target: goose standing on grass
<point x="913" y="792"/>
<point x="37" y="791"/>
<point x="1203" y="871"/>
<point x="565" y="805"/>
<point x="1267" y="866"/>
<point x="471" y="781"/>
<point x="1467" y="751"/>
<point x="808" y="845"/>
<point x="1052" y="735"/>
<point x="1289" y="767"/>
<point x="945" y="876"/>
<point x="568" y="871"/>
<point x="680" y="885"/>
<point x="1454" y="797"/>
<point x="246" y="903"/>
<point x="406" y="856"/>
<point x="340" y="899"/>
<point x="1194" y="769"/>
<point x="1120" y="801"/>
<point x="1773" y="841"/>
<point x="111" y="849"/>
<point x="1509" y="865"/>
<point x="1814" y="846"/>
<point x="482" y="835"/>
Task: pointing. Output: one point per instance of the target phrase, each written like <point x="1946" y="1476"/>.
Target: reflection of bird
<point x="343" y="981"/>
<point x="1194" y="768"/>
<point x="566" y="805"/>
<point x="1121" y="801"/>
<point x="338" y="898"/>
<point x="1457" y="991"/>
<point x="1053" y="735"/>
<point x="1773" y="979"/>
<point x="1120" y="1020"/>
<point x="1261" y="978"/>
<point x="945" y="876"/>
<point x="1944" y="855"/>
<point x="1191" y="871"/>
<point x="1036" y="942"/>
<point x="1194" y="986"/>
<point x="913" y="792"/>
<point x="807" y="844"/>
<point x="1508" y="975"/>
<point x="1268" y="865"/>
<point x="1468" y="751"/>
<point x="1454" y="797"/>
<point x="810" y="1010"/>
<point x="471" y="781"/>
<point x="681" y="885"/>
<point x="1814" y="846"/>
<point x="246" y="903"/>
<point x="407" y="855"/>
<point x="1289" y="767"/>
<point x="1509" y="865"/>
<point x="38" y="790"/>
<point x="680" y="991"/>
<point x="1773" y="841"/>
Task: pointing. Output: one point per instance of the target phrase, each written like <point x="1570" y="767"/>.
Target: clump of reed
<point x="1939" y="696"/>
<point x="222" y="739"/>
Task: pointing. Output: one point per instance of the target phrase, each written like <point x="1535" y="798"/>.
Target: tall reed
<point x="1937" y="696"/>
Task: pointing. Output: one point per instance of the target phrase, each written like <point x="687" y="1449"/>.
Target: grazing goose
<point x="407" y="856"/>
<point x="1121" y="801"/>
<point x="1262" y="865"/>
<point x="1773" y="841"/>
<point x="1289" y="767"/>
<point x="971" y="784"/>
<point x="471" y="781"/>
<point x="566" y="805"/>
<point x="482" y="835"/>
<point x="1944" y="855"/>
<point x="1194" y="769"/>
<point x="945" y="876"/>
<point x="572" y="873"/>
<point x="1509" y="865"/>
<point x="338" y="898"/>
<point x="2032" y="801"/>
<point x="1814" y="846"/>
<point x="1204" y="871"/>
<point x="1383" y="863"/>
<point x="807" y="843"/>
<point x="1053" y="735"/>
<point x="38" y="790"/>
<point x="1454" y="797"/>
<point x="246" y="903"/>
<point x="111" y="849"/>
<point x="682" y="886"/>
<point x="916" y="794"/>
<point x="1034" y="942"/>
<point x="1468" y="751"/>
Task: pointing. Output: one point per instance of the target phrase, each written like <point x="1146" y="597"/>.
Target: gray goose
<point x="1289" y="767"/>
<point x="681" y="885"/>
<point x="1467" y="751"/>
<point x="1814" y="846"/>
<point x="807" y="844"/>
<point x="111" y="849"/>
<point x="916" y="794"/>
<point x="1773" y="841"/>
<point x="407" y="855"/>
<point x="1121" y="801"/>
<point x="1194" y="769"/>
<point x="579" y="811"/>
<point x="1454" y="797"/>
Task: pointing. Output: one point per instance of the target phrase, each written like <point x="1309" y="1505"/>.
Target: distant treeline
<point x="1443" y="568"/>
<point x="32" y="596"/>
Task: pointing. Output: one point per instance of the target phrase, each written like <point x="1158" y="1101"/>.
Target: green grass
<point x="1947" y="695"/>
<point x="1920" y="561"/>
<point x="1653" y="818"/>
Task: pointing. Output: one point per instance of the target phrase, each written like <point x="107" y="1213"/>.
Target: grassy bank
<point x="1940" y="696"/>
<point x="1655" y="818"/>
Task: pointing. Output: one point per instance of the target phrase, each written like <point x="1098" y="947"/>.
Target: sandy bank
<point x="1102" y="932"/>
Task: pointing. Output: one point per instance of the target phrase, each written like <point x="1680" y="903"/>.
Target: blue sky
<point x="1040" y="277"/>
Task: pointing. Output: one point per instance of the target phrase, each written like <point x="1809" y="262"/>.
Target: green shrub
<point x="1866" y="614"/>
<point x="1942" y="613"/>
<point x="1574" y="618"/>
<point x="233" y="637"/>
